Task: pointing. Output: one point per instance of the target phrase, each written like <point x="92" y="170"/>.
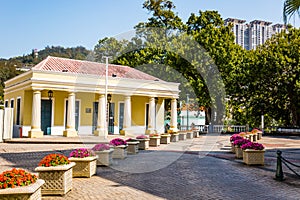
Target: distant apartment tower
<point x="251" y="35"/>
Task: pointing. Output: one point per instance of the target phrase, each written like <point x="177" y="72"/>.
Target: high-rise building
<point x="251" y="35"/>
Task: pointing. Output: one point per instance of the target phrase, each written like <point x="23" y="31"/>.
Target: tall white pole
<point x="106" y="83"/>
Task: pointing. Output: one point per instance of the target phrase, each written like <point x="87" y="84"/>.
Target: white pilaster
<point x="70" y="129"/>
<point x="151" y="117"/>
<point x="36" y="116"/>
<point x="127" y="114"/>
<point x="101" y="120"/>
<point x="173" y="115"/>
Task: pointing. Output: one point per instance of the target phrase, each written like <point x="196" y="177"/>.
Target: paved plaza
<point x="199" y="168"/>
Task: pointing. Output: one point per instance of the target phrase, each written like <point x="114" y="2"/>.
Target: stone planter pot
<point x="238" y="152"/>
<point x="232" y="147"/>
<point x="133" y="147"/>
<point x="259" y="136"/>
<point x="195" y="134"/>
<point x="154" y="141"/>
<point x="30" y="192"/>
<point x="104" y="157"/>
<point x="254" y="157"/>
<point x="189" y="135"/>
<point x="174" y="137"/>
<point x="165" y="139"/>
<point x="182" y="136"/>
<point x="120" y="152"/>
<point x="58" y="179"/>
<point x="85" y="167"/>
<point x="144" y="144"/>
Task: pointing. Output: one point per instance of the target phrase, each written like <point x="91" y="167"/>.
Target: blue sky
<point x="30" y="24"/>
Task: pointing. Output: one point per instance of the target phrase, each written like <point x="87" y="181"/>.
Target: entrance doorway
<point x="46" y="116"/>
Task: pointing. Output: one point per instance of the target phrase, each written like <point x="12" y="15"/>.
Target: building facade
<point x="251" y="35"/>
<point x="67" y="97"/>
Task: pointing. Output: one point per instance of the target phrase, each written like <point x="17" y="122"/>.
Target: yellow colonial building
<point x="68" y="97"/>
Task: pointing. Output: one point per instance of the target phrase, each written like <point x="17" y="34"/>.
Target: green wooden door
<point x="46" y="116"/>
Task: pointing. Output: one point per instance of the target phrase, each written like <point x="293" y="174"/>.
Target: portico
<point x="78" y="104"/>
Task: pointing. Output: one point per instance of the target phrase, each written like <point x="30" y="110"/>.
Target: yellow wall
<point x="138" y="109"/>
<point x="15" y="95"/>
<point x="86" y="102"/>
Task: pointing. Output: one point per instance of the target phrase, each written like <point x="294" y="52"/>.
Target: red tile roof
<point x="57" y="64"/>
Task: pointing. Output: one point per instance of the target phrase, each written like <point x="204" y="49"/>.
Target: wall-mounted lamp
<point x="50" y="94"/>
<point x="109" y="98"/>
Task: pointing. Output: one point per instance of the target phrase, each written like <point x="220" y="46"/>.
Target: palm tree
<point x="290" y="8"/>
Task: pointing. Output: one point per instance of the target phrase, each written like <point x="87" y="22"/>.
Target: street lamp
<point x="187" y="111"/>
<point x="50" y="94"/>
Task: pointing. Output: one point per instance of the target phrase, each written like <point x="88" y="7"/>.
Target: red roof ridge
<point x="59" y="64"/>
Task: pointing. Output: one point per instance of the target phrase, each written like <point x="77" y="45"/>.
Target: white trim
<point x="52" y="110"/>
<point x="10" y="103"/>
<point x="119" y="103"/>
<point x="20" y="114"/>
<point x="145" y="122"/>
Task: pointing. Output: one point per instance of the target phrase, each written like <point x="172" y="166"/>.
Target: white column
<point x="173" y="115"/>
<point x="36" y="116"/>
<point x="151" y="117"/>
<point x="127" y="113"/>
<point x="101" y="120"/>
<point x="70" y="129"/>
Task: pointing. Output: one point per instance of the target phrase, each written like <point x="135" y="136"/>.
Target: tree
<point x="290" y="8"/>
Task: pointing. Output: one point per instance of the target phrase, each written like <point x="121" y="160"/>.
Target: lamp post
<point x="187" y="111"/>
<point x="106" y="87"/>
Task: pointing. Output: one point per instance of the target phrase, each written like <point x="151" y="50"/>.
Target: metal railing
<point x="279" y="172"/>
<point x="216" y="128"/>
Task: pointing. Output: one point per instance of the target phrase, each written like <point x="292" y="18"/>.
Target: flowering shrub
<point x="252" y="145"/>
<point x="101" y="147"/>
<point x="117" y="142"/>
<point x="16" y="177"/>
<point x="240" y="142"/>
<point x="142" y="137"/>
<point x="256" y="130"/>
<point x="131" y="140"/>
<point x="154" y="135"/>
<point x="235" y="137"/>
<point x="54" y="160"/>
<point x="82" y="153"/>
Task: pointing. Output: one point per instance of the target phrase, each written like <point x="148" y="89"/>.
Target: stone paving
<point x="199" y="168"/>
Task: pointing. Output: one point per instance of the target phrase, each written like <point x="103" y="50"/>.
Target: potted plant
<point x="253" y="153"/>
<point x="133" y="146"/>
<point x="237" y="144"/>
<point x="120" y="148"/>
<point x="165" y="138"/>
<point x="104" y="153"/>
<point x="258" y="132"/>
<point x="56" y="171"/>
<point x="19" y="184"/>
<point x="86" y="162"/>
<point x="154" y="140"/>
<point x="144" y="142"/>
<point x="232" y="139"/>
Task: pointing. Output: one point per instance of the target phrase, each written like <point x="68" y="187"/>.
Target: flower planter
<point x="133" y="147"/>
<point x="195" y="134"/>
<point x="189" y="135"/>
<point x="232" y="147"/>
<point x="154" y="141"/>
<point x="85" y="167"/>
<point x="144" y="144"/>
<point x="238" y="152"/>
<point x="58" y="179"/>
<point x="254" y="157"/>
<point x="182" y="136"/>
<point x="259" y="136"/>
<point x="104" y="157"/>
<point x="120" y="152"/>
<point x="165" y="139"/>
<point x="174" y="137"/>
<point x="30" y="192"/>
<point x="254" y="137"/>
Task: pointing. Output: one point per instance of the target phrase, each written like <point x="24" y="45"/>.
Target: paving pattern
<point x="202" y="168"/>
